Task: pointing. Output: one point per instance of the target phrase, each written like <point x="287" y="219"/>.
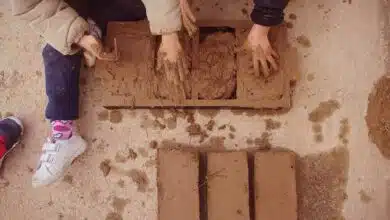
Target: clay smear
<point x="378" y="116"/>
<point x="216" y="76"/>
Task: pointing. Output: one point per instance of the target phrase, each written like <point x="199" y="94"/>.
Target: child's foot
<point x="11" y="130"/>
<point x="58" y="153"/>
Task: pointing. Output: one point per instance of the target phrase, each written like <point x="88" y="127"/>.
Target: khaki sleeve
<point x="54" y="20"/>
<point x="164" y="16"/>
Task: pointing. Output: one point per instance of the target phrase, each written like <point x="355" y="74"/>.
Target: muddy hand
<point x="93" y="47"/>
<point x="188" y="17"/>
<point x="262" y="52"/>
<point x="171" y="59"/>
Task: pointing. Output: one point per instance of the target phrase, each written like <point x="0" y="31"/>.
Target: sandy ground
<point x="344" y="57"/>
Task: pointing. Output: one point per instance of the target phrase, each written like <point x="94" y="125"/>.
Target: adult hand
<point x="262" y="51"/>
<point x="171" y="59"/>
<point x="188" y="17"/>
<point x="93" y="47"/>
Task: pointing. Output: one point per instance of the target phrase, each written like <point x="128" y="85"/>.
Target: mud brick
<point x="275" y="186"/>
<point x="228" y="189"/>
<point x="177" y="182"/>
<point x="132" y="75"/>
<point x="217" y="13"/>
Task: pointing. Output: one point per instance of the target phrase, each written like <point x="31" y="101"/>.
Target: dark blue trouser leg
<point x="62" y="84"/>
<point x="62" y="72"/>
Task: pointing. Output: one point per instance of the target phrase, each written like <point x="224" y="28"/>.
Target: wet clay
<point x="140" y="178"/>
<point x="113" y="216"/>
<point x="378" y="116"/>
<point x="323" y="111"/>
<point x="119" y="204"/>
<point x="322" y="182"/>
<point x="215" y="77"/>
<point x="115" y="116"/>
<point x="271" y="124"/>
<point x="105" y="167"/>
<point x="344" y="130"/>
<point x="364" y="197"/>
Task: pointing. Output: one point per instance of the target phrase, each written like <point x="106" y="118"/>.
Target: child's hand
<point x="262" y="50"/>
<point x="94" y="47"/>
<point x="189" y="20"/>
<point x="171" y="59"/>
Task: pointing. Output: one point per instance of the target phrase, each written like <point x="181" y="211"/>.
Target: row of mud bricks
<point x="226" y="185"/>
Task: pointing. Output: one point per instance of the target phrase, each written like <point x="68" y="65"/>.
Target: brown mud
<point x="378" y="116"/>
<point x="322" y="181"/>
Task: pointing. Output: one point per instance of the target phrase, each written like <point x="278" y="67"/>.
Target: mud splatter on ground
<point x="115" y="116"/>
<point x="150" y="163"/>
<point x="68" y="179"/>
<point x="231" y="136"/>
<point x="143" y="152"/>
<point x="157" y="113"/>
<point x="310" y="77"/>
<point x="105" y="167"/>
<point x="171" y="123"/>
<point x="103" y="115"/>
<point x="323" y="111"/>
<point x="222" y="127"/>
<point x="378" y="116"/>
<point x="322" y="181"/>
<point x="263" y="142"/>
<point x="121" y="183"/>
<point x="364" y="197"/>
<point x="113" y="216"/>
<point x="209" y="113"/>
<point x="153" y="145"/>
<point x="317" y="131"/>
<point x="289" y="25"/>
<point x="140" y="178"/>
<point x="232" y="128"/>
<point x="271" y="124"/>
<point x="344" y="131"/>
<point x="249" y="141"/>
<point x="124" y="154"/>
<point x="119" y="204"/>
<point x="210" y="125"/>
<point x="304" y="41"/>
<point x="292" y="16"/>
<point x="196" y="130"/>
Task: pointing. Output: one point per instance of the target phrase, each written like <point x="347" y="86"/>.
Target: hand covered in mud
<point x="172" y="59"/>
<point x="93" y="48"/>
<point x="264" y="55"/>
<point x="188" y="18"/>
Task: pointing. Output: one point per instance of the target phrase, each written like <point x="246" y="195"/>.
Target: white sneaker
<point x="56" y="157"/>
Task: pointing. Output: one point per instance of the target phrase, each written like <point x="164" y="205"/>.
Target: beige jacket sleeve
<point x="54" y="20"/>
<point x="164" y="16"/>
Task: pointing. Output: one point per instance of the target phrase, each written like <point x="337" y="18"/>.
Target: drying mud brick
<point x="215" y="75"/>
<point x="275" y="186"/>
<point x="228" y="188"/>
<point x="177" y="182"/>
<point x="231" y="13"/>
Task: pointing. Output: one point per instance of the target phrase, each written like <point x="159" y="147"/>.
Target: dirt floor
<point x="341" y="55"/>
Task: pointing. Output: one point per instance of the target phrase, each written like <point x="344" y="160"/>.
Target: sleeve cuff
<point x="267" y="16"/>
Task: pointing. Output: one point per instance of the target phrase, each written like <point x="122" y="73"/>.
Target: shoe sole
<point x="19" y="122"/>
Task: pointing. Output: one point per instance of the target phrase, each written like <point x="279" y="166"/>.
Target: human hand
<point x="93" y="48"/>
<point x="188" y="17"/>
<point x="262" y="52"/>
<point x="171" y="59"/>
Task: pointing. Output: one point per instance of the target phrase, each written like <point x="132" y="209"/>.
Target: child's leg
<point x="62" y="88"/>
